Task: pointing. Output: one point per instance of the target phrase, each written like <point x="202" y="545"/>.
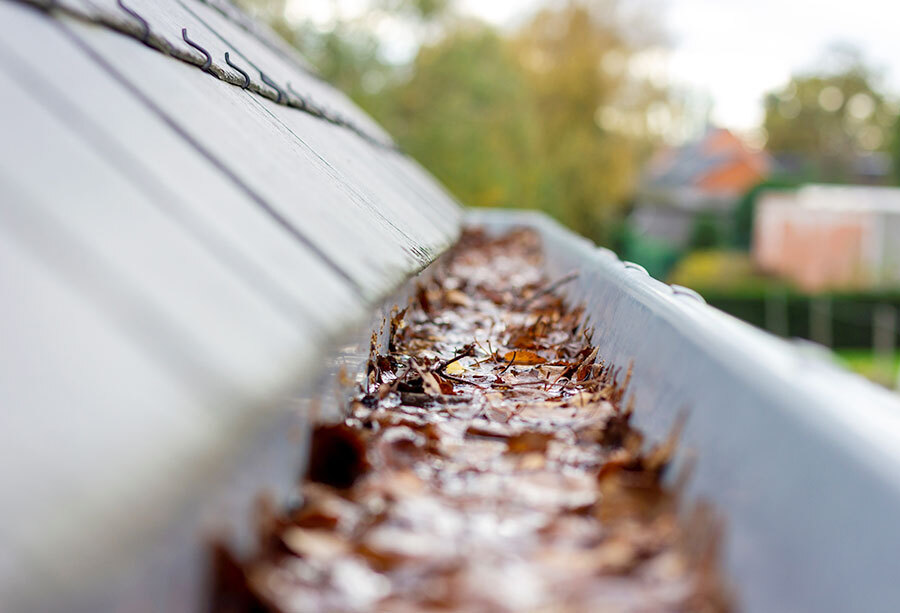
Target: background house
<point x="688" y="196"/>
<point x="827" y="237"/>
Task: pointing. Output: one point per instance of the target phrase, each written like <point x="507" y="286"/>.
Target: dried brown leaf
<point x="523" y="357"/>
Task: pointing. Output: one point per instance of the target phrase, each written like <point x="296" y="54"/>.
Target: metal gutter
<point x="800" y="457"/>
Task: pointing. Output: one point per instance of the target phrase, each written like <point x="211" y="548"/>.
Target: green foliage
<point x="467" y="115"/>
<point x="831" y="117"/>
<point x="706" y="233"/>
<point x="590" y="170"/>
<point x="742" y="237"/>
<point x="875" y="368"/>
<point x="895" y="150"/>
<point x="504" y="119"/>
<point x="349" y="58"/>
<point x="271" y="12"/>
<point x="851" y="313"/>
<point x="657" y="257"/>
<point x="421" y="9"/>
<point x="720" y="271"/>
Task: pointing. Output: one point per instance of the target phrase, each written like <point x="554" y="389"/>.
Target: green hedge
<point x="658" y="257"/>
<point x="851" y="313"/>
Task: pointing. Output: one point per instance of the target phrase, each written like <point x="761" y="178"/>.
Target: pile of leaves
<point x="487" y="465"/>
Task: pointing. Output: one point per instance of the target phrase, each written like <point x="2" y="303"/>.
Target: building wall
<point x="829" y="238"/>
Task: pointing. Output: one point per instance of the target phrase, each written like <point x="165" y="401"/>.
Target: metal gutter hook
<point x="306" y="103"/>
<point x="246" y="83"/>
<point x="300" y="99"/>
<point x="145" y="27"/>
<point x="269" y="82"/>
<point x="637" y="267"/>
<point x="208" y="62"/>
<point x="680" y="290"/>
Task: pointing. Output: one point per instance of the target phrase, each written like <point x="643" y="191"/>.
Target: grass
<point x="865" y="363"/>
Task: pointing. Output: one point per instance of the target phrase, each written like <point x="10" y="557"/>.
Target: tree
<point x="831" y="117"/>
<point x="745" y="213"/>
<point x="706" y="233"/>
<point x="467" y="115"/>
<point x="348" y="57"/>
<point x="895" y="149"/>
<point x="550" y="117"/>
<point x="422" y="10"/>
<point x="272" y="12"/>
<point x="593" y="113"/>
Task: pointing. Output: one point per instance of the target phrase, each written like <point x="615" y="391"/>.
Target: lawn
<point x="864" y="362"/>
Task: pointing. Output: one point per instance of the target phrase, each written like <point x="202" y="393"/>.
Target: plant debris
<point x="488" y="465"/>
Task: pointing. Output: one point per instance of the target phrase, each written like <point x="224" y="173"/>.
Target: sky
<point x="729" y="51"/>
<point x="738" y="50"/>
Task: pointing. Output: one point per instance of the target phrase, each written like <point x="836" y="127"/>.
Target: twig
<point x="465" y="352"/>
<point x="490" y="354"/>
<point x="491" y="349"/>
<point x="511" y="362"/>
<point x="414" y="399"/>
<point x="550" y="288"/>
<point x="459" y="380"/>
<point x="526" y="383"/>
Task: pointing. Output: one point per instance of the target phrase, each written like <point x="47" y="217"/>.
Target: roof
<point x="191" y="219"/>
<point x="719" y="165"/>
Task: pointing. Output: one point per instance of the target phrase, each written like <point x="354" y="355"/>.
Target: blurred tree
<point x="895" y="149"/>
<point x="706" y="233"/>
<point x="744" y="214"/>
<point x="349" y="54"/>
<point x="552" y="117"/>
<point x="272" y="12"/>
<point x="828" y="119"/>
<point x="467" y="115"/>
<point x="275" y="11"/>
<point x="349" y="58"/>
<point x="425" y="10"/>
<point x="593" y="109"/>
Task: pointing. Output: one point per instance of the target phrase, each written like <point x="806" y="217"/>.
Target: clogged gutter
<point x="488" y="465"/>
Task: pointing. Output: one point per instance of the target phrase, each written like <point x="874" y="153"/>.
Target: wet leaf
<point x="463" y="482"/>
<point x="430" y="384"/>
<point x="455" y="368"/>
<point x="321" y="544"/>
<point x="524" y="357"/>
<point x="528" y="441"/>
<point x="337" y="455"/>
<point x="457" y="298"/>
